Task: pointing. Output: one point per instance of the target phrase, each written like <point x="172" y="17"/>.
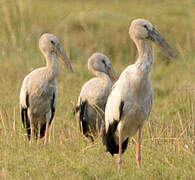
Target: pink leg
<point x="138" y="148"/>
<point x="32" y="131"/>
<point x="120" y="152"/>
<point x="39" y="131"/>
<point x="48" y="117"/>
<point x="46" y="133"/>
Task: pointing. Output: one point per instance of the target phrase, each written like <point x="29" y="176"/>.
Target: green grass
<point x="84" y="27"/>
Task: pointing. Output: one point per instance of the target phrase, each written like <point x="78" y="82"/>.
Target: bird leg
<point x="46" y="133"/>
<point x="48" y="116"/>
<point x="138" y="148"/>
<point x="39" y="131"/>
<point x="120" y="152"/>
<point x="32" y="131"/>
<point x="103" y="133"/>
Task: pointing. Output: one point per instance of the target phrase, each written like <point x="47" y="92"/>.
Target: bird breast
<point x="40" y="91"/>
<point x="96" y="91"/>
<point x="138" y="97"/>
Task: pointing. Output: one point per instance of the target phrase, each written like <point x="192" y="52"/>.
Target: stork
<point x="38" y="95"/>
<point x="130" y="101"/>
<point x="94" y="94"/>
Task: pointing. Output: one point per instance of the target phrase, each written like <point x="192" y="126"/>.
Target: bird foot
<point x="32" y="140"/>
<point x="120" y="161"/>
<point x="45" y="142"/>
<point x="139" y="164"/>
<point x="138" y="159"/>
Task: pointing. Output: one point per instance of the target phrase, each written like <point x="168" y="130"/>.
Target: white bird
<point x="38" y="95"/>
<point x="130" y="101"/>
<point x="94" y="94"/>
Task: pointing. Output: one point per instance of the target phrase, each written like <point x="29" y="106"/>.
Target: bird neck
<point x="52" y="64"/>
<point x="145" y="59"/>
<point x="100" y="75"/>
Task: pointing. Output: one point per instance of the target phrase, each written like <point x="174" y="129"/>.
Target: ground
<point x="84" y="27"/>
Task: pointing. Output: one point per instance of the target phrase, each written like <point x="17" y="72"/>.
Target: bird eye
<point x="146" y="26"/>
<point x="103" y="62"/>
<point x="52" y="42"/>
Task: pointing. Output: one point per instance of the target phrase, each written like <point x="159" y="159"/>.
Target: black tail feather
<point x="82" y="109"/>
<point x="43" y="127"/>
<point x="25" y="120"/>
<point x="76" y="110"/>
<point x="26" y="123"/>
<point x="42" y="130"/>
<point x="82" y="117"/>
<point x="111" y="145"/>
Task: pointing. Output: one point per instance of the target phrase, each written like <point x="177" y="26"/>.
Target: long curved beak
<point x="112" y="73"/>
<point x="63" y="57"/>
<point x="155" y="36"/>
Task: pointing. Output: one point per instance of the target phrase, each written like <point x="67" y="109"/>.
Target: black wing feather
<point x="82" y="109"/>
<point x="111" y="145"/>
<point x="24" y="116"/>
<point x="43" y="127"/>
<point x="121" y="109"/>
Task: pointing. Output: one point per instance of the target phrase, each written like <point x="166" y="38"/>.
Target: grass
<point x="84" y="27"/>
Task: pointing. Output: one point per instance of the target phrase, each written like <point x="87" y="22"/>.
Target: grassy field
<point x="84" y="27"/>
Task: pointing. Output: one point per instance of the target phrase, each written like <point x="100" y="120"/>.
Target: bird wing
<point x="115" y="103"/>
<point x="113" y="113"/>
<point x="24" y="94"/>
<point x="53" y="109"/>
<point x="24" y="105"/>
<point x="32" y="86"/>
<point x="95" y="92"/>
<point x="92" y="100"/>
<point x="92" y="94"/>
<point x="53" y="103"/>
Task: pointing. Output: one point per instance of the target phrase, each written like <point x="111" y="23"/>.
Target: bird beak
<point x="156" y="37"/>
<point x="63" y="57"/>
<point x="112" y="73"/>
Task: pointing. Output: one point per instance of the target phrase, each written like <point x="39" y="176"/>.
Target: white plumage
<point x="94" y="93"/>
<point x="38" y="95"/>
<point x="130" y="101"/>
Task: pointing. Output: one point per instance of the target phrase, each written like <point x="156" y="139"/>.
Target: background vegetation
<point x="85" y="27"/>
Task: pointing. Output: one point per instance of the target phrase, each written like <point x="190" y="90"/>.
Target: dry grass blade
<point x="3" y="121"/>
<point x="86" y="27"/>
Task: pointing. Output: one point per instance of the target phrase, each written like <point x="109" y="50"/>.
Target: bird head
<point x="100" y="62"/>
<point x="143" y="29"/>
<point x="49" y="43"/>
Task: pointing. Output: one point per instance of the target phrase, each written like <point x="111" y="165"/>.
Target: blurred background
<point x="84" y="27"/>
